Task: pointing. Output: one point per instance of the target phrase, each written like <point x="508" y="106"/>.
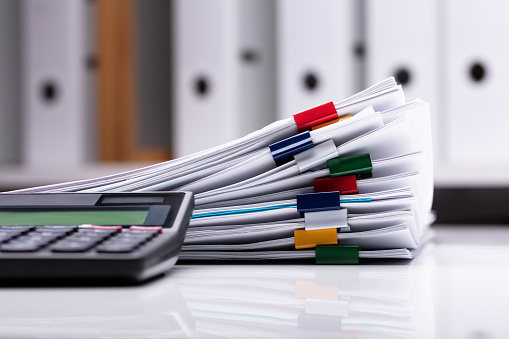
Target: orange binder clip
<point x="341" y="118"/>
<point x="309" y="239"/>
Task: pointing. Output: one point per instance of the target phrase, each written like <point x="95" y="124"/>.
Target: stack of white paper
<point x="247" y="191"/>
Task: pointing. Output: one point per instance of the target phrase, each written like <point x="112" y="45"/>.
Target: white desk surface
<point x="458" y="287"/>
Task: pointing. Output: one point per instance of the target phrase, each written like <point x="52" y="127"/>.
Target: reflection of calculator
<point x="123" y="237"/>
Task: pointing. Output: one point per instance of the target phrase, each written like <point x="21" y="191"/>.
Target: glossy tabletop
<point x="458" y="287"/>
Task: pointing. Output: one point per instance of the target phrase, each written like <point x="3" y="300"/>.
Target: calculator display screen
<point x="74" y="217"/>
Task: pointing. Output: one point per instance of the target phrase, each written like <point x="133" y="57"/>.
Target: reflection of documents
<point x="294" y="301"/>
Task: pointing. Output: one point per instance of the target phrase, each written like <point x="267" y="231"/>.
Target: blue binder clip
<point x="283" y="151"/>
<point x="318" y="201"/>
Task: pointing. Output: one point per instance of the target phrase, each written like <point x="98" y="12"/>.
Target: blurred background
<point x="94" y="87"/>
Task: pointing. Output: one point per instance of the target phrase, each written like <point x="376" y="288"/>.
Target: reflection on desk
<point x="298" y="301"/>
<point x="455" y="288"/>
<point x="155" y="310"/>
<point x="234" y="301"/>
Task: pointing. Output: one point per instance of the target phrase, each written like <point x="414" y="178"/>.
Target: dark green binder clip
<point x="337" y="255"/>
<point x="360" y="165"/>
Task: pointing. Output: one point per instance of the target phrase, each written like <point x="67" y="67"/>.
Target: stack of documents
<point x="335" y="183"/>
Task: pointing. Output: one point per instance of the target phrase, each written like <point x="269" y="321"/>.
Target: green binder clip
<point x="360" y="165"/>
<point x="337" y="255"/>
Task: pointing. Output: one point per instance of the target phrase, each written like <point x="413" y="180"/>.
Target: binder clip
<point x="345" y="184"/>
<point x="333" y="121"/>
<point x="337" y="255"/>
<point x="315" y="116"/>
<point x="283" y="151"/>
<point x="360" y="165"/>
<point x="310" y="239"/>
<point x="311" y="202"/>
<point x="326" y="219"/>
<point x="316" y="157"/>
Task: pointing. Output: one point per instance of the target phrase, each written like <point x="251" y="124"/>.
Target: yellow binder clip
<point x="309" y="239"/>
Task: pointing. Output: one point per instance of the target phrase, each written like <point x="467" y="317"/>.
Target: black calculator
<point x="84" y="237"/>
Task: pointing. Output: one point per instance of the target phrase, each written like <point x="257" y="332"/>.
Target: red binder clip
<point x="345" y="185"/>
<point x="315" y="116"/>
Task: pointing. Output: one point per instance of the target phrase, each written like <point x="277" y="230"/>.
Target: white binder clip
<point x="326" y="219"/>
<point x="316" y="157"/>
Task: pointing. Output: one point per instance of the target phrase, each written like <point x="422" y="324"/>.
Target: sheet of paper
<point x="392" y="139"/>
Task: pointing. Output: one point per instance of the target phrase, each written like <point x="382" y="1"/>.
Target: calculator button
<point x="136" y="233"/>
<point x="142" y="235"/>
<point x="75" y="246"/>
<point x="91" y="235"/>
<point x="147" y="228"/>
<point x="84" y="238"/>
<point x="13" y="232"/>
<point x="128" y="240"/>
<point x="4" y="236"/>
<point x="120" y="242"/>
<point x="97" y="231"/>
<point x="63" y="229"/>
<point x="20" y="247"/>
<point x="101" y="228"/>
<point x="42" y="241"/>
<point x="47" y="235"/>
<point x="116" y="248"/>
<point x="17" y="228"/>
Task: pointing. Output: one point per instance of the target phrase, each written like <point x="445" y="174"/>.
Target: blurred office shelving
<point x="132" y="55"/>
<point x="84" y="89"/>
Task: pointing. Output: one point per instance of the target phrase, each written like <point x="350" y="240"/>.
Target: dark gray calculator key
<point x="4" y="237"/>
<point x="40" y="235"/>
<point x="30" y="238"/>
<point x="134" y="235"/>
<point x="97" y="231"/>
<point x="20" y="247"/>
<point x="67" y="246"/>
<point x="43" y="241"/>
<point x="115" y="248"/>
<point x="127" y="240"/>
<point x="17" y="228"/>
<point x="144" y="235"/>
<point x="91" y="237"/>
<point x="84" y="238"/>
<point x="94" y="238"/>
<point x="48" y="235"/>
<point x="101" y="235"/>
<point x="134" y="243"/>
<point x="12" y="232"/>
<point x="64" y="229"/>
<point x="146" y="232"/>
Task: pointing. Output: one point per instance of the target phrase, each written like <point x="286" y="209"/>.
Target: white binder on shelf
<point x="10" y="136"/>
<point x="316" y="58"/>
<point x="58" y="113"/>
<point x="223" y="67"/>
<point x="402" y="41"/>
<point x="475" y="71"/>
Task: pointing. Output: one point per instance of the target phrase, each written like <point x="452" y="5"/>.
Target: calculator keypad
<point x="74" y="239"/>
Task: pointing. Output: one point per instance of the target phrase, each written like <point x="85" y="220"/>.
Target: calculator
<point x="85" y="237"/>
